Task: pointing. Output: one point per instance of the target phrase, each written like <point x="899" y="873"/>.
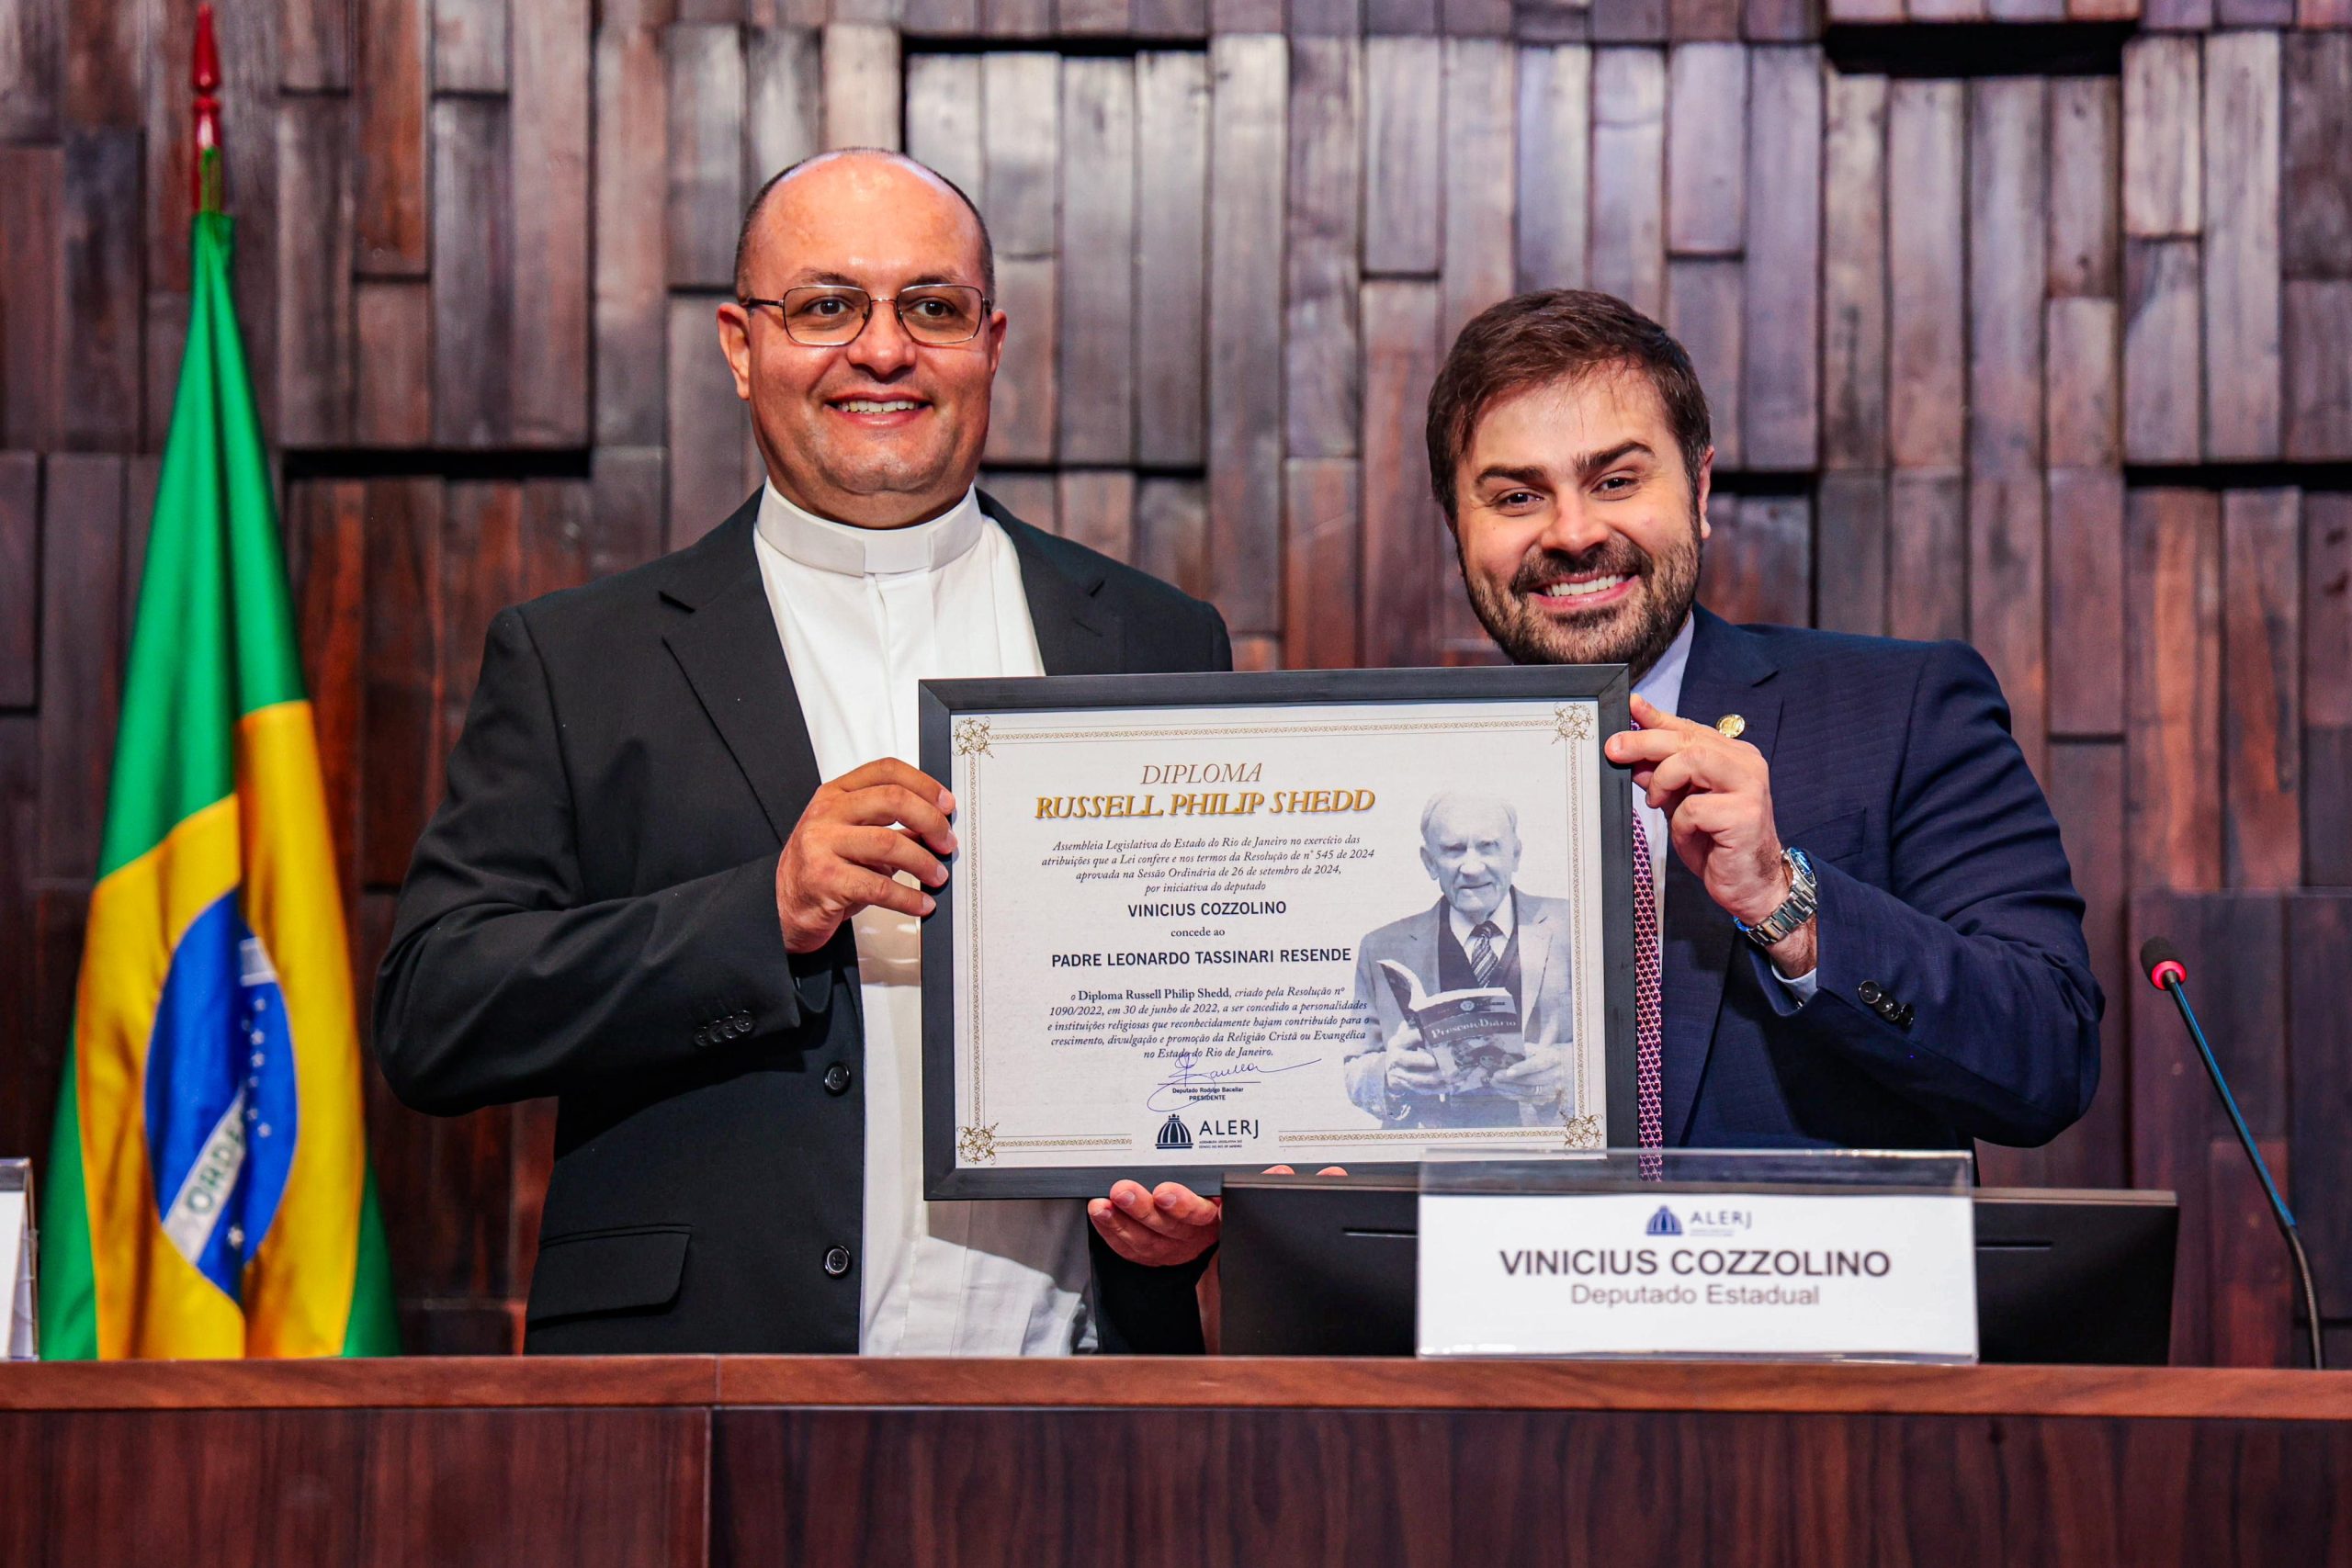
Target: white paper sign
<point x="16" y="1274"/>
<point x="1678" y="1273"/>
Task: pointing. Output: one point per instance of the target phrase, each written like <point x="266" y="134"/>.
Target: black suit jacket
<point x="590" y="915"/>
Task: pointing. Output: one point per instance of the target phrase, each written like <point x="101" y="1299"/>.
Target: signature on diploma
<point x="1191" y="1083"/>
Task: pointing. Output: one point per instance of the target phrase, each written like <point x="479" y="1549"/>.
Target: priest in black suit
<point x="678" y="877"/>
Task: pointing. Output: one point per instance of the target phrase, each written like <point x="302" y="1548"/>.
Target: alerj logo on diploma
<point x="1227" y="1132"/>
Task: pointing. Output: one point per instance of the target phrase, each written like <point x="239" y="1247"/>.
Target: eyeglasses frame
<point x="987" y="308"/>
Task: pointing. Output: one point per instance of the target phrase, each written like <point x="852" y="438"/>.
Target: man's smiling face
<point x="882" y="431"/>
<point x="1577" y="526"/>
<point x="1471" y="847"/>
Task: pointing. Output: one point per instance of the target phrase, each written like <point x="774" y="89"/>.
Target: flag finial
<point x="207" y="79"/>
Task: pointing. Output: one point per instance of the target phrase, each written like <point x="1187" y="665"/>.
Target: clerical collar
<point x="852" y="551"/>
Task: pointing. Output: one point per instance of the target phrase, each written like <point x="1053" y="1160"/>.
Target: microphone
<point x="2161" y="961"/>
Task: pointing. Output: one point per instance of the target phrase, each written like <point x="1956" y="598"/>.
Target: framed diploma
<point x="1196" y="922"/>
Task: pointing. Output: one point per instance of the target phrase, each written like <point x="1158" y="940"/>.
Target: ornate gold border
<point x="975" y="737"/>
<point x="1423" y="1139"/>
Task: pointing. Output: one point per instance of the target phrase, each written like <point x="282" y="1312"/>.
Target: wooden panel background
<point x="2060" y="364"/>
<point x="1516" y="1490"/>
<point x="582" y="1488"/>
<point x="679" y="1461"/>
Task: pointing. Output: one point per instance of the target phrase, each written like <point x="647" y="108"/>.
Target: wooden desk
<point x="789" y="1460"/>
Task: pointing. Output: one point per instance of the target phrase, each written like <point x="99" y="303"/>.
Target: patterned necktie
<point x="1648" y="1027"/>
<point x="1483" y="956"/>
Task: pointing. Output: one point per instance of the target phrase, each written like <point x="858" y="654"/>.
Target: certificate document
<point x="1208" y="921"/>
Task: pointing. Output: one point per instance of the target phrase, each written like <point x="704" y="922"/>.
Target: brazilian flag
<point x="208" y="1193"/>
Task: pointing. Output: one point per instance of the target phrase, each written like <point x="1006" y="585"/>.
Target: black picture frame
<point x="943" y="703"/>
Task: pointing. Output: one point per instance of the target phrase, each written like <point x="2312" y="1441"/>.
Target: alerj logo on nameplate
<point x="1863" y="1274"/>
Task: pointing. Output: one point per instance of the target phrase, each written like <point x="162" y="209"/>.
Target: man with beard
<point x="1866" y="934"/>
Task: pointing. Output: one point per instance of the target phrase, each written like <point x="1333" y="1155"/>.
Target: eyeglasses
<point x="827" y="315"/>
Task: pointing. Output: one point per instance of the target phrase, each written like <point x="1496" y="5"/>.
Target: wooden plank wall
<point x="2060" y="364"/>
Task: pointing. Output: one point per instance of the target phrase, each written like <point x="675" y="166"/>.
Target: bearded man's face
<point x="1577" y="526"/>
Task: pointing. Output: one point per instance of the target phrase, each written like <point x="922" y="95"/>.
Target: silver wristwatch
<point x="1795" y="910"/>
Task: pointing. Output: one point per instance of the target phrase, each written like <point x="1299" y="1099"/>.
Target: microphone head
<point x="2160" y="960"/>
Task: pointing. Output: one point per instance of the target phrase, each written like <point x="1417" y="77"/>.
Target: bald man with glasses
<point x="679" y="875"/>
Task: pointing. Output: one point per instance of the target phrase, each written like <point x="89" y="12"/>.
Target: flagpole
<point x="206" y="81"/>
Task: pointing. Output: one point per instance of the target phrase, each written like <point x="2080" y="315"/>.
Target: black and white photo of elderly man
<point x="1482" y="933"/>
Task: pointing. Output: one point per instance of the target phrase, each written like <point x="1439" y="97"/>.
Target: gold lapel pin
<point x="1731" y="726"/>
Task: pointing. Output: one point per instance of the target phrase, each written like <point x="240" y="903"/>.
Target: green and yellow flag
<point x="208" y="1192"/>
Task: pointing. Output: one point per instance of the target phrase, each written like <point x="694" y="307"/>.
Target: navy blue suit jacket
<point x="1942" y="884"/>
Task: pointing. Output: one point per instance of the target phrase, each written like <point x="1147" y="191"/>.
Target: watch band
<point x="1795" y="909"/>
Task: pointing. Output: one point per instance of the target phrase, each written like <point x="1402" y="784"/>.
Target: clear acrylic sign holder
<point x="1914" y="1172"/>
<point x="1685" y="1206"/>
<point x="17" y="1259"/>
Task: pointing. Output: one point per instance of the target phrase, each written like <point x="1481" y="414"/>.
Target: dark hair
<point x="1556" y="335"/>
<point x="752" y="213"/>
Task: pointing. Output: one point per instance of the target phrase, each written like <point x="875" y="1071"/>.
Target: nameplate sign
<point x="1678" y="1273"/>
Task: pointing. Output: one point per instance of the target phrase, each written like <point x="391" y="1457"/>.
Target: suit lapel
<point x="1534" y="958"/>
<point x="1077" y="633"/>
<point x="1420" y="949"/>
<point x="733" y="658"/>
<point x="1728" y="673"/>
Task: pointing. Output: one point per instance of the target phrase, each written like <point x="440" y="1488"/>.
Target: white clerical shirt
<point x="865" y="614"/>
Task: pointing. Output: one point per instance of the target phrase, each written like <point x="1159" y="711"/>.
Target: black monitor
<point x="1324" y="1266"/>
